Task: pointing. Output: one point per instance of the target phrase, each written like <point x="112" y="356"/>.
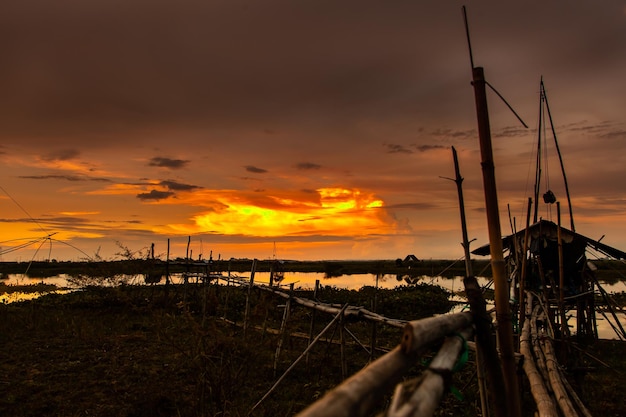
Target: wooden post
<point x="374" y="326"/>
<point x="522" y="281"/>
<point x="312" y="325"/>
<point x="283" y="327"/>
<point x="246" y="316"/>
<point x="342" y="338"/>
<point x="227" y="293"/>
<point x="167" y="265"/>
<point x="503" y="310"/>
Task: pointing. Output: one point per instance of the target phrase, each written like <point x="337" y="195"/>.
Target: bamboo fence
<point x="361" y="393"/>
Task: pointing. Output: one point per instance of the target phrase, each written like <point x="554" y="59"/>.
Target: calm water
<point x="306" y="280"/>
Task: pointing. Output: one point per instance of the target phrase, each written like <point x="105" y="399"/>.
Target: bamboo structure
<point x="545" y="404"/>
<point x="422" y="396"/>
<point x="358" y="395"/>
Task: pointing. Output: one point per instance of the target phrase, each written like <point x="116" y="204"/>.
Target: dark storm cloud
<point x="106" y="68"/>
<point x="305" y="166"/>
<point x="61" y="155"/>
<point x="102" y="67"/>
<point x="255" y="170"/>
<point x="453" y="134"/>
<point x="64" y="177"/>
<point x="395" y="148"/>
<point x="510" y="132"/>
<point x="615" y="134"/>
<point x="162" y="162"/>
<point x="155" y="195"/>
<point x="426" y="148"/>
<point x="177" y="186"/>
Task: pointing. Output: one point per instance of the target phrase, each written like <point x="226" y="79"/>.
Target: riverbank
<point x="607" y="270"/>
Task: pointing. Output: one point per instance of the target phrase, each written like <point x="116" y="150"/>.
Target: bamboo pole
<point x="427" y="395"/>
<point x="312" y="324"/>
<point x="358" y="312"/>
<point x="478" y="309"/>
<point x="575" y="398"/>
<point x="503" y="311"/>
<point x="359" y="394"/>
<point x="373" y="333"/>
<point x="545" y="404"/>
<point x="283" y="327"/>
<point x="167" y="265"/>
<point x="559" y="390"/>
<point x="563" y="318"/>
<point x="540" y="360"/>
<point x="421" y="333"/>
<point x="342" y="346"/>
<point x="305" y="353"/>
<point x="558" y="151"/>
<point x="522" y="281"/>
<point x="246" y="316"/>
<point x="605" y="296"/>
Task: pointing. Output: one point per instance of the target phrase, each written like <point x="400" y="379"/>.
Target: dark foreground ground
<point x="143" y="352"/>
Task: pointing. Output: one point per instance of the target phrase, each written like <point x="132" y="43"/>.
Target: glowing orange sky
<point x="321" y="129"/>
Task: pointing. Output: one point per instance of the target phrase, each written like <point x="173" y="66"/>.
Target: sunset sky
<point x="309" y="129"/>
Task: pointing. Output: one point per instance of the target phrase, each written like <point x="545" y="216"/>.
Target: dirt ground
<point x="120" y="355"/>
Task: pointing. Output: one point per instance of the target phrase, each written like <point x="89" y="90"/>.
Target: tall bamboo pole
<point x="558" y="151"/>
<point x="481" y="318"/>
<point x="563" y="317"/>
<point x="522" y="281"/>
<point x="503" y="310"/>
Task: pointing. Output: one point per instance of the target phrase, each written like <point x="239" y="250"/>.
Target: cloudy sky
<point x="309" y="129"/>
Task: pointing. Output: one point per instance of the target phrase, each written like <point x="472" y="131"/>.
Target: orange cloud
<point x="337" y="211"/>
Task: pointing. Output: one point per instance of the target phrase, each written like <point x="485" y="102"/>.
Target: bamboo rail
<point x="545" y="404"/>
<point x="428" y="390"/>
<point x="358" y="394"/>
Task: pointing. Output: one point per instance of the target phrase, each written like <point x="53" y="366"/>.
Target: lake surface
<point x="306" y="280"/>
